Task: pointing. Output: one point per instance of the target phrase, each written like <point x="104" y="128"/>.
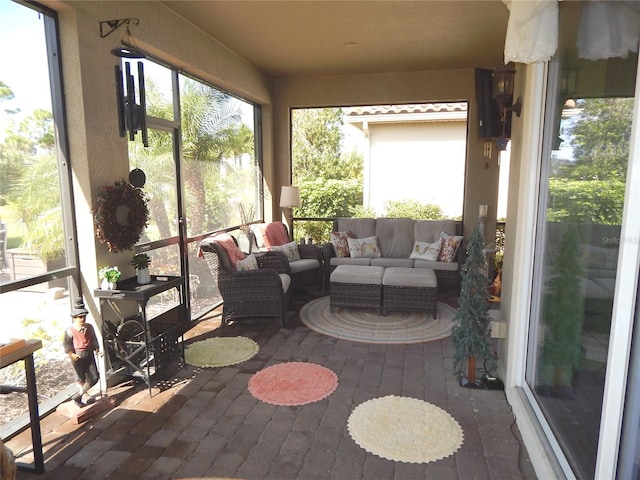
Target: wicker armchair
<point x="306" y="272"/>
<point x="263" y="292"/>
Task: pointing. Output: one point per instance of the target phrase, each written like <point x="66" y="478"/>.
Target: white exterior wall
<point x="422" y="161"/>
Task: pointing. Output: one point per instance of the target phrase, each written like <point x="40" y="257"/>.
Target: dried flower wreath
<point x="109" y="230"/>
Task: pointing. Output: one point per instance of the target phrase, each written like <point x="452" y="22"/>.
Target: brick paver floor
<point x="204" y="423"/>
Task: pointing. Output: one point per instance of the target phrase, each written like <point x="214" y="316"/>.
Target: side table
<point x="138" y="345"/>
<point x="25" y="353"/>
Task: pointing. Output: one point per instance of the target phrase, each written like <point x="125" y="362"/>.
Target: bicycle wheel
<point x="131" y="340"/>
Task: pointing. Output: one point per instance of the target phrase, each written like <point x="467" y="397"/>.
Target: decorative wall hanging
<point x="118" y="236"/>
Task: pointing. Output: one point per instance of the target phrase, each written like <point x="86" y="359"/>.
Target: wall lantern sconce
<point x="132" y="116"/>
<point x="289" y="198"/>
<point x="503" y="95"/>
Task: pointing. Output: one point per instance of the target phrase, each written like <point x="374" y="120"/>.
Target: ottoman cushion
<point x="410" y="277"/>
<point x="361" y="274"/>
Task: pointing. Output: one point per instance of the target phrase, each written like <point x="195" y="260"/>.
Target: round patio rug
<point x="366" y="326"/>
<point x="293" y="383"/>
<point x="220" y="351"/>
<point x="405" y="429"/>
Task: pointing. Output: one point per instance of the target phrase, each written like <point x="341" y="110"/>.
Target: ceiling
<point x="317" y="37"/>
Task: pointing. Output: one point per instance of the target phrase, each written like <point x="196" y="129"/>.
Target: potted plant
<point x="109" y="277"/>
<point x="141" y="262"/>
<point x="469" y="335"/>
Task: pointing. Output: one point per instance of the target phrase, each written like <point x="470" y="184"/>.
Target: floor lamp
<point x="289" y="198"/>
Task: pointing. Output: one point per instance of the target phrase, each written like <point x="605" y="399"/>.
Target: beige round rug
<point x="366" y="326"/>
<point x="405" y="429"/>
<point x="220" y="351"/>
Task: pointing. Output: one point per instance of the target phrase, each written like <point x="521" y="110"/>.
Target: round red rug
<point x="293" y="383"/>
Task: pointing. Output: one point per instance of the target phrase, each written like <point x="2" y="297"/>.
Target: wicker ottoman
<point x="356" y="286"/>
<point x="409" y="290"/>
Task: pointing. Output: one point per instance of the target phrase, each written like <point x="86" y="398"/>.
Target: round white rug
<point x="405" y="429"/>
<point x="367" y="326"/>
<point x="220" y="351"/>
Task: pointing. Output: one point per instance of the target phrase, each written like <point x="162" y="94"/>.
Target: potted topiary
<point x="142" y="261"/>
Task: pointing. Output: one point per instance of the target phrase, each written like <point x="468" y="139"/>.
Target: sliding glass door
<point x="586" y="155"/>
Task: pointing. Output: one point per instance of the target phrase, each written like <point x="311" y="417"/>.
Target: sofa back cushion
<point x="360" y="227"/>
<point x="395" y="236"/>
<point x="429" y="230"/>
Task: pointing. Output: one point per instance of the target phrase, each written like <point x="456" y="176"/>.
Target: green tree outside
<point x="590" y="189"/>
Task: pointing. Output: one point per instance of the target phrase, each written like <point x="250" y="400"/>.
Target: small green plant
<point x="141" y="260"/>
<point x="111" y="274"/>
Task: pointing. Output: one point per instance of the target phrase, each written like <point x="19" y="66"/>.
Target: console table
<point x="140" y="345"/>
<point x="26" y="353"/>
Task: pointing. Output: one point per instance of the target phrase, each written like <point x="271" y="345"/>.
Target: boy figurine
<point x="80" y="342"/>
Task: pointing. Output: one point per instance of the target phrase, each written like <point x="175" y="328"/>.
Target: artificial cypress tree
<point x="562" y="317"/>
<point x="469" y="335"/>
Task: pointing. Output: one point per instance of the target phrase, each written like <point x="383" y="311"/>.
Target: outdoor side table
<point x="142" y="344"/>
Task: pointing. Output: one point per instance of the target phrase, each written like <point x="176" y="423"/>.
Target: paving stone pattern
<point x="204" y="423"/>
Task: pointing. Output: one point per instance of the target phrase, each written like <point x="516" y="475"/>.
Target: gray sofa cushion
<point x="395" y="236"/>
<point x="430" y="230"/>
<point x="392" y="262"/>
<point x="349" y="261"/>
<point x="450" y="266"/>
<point x="360" y="227"/>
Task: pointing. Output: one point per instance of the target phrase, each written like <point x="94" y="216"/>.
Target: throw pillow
<point x="449" y="247"/>
<point x="364" y="247"/>
<point x="426" y="251"/>
<point x="290" y="250"/>
<point x="249" y="263"/>
<point x="340" y="243"/>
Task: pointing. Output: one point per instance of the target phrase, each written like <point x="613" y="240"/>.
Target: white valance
<point x="608" y="29"/>
<point x="532" y="31"/>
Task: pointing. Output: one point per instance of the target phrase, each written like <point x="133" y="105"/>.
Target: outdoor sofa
<point x="398" y="242"/>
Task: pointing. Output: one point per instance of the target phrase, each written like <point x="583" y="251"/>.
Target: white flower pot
<point x="143" y="276"/>
<point x="107" y="285"/>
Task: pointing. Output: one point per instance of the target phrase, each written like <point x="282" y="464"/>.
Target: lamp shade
<point x="290" y="197"/>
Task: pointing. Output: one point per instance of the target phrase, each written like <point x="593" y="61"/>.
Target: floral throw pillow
<point x="290" y="250"/>
<point x="449" y="247"/>
<point x="364" y="247"/>
<point x="340" y="243"/>
<point x="426" y="251"/>
<point x="249" y="263"/>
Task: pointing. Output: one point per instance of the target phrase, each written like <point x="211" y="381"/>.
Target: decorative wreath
<point x="116" y="236"/>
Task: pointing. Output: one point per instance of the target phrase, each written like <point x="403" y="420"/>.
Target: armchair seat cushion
<point x="303" y="265"/>
<point x="286" y="282"/>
